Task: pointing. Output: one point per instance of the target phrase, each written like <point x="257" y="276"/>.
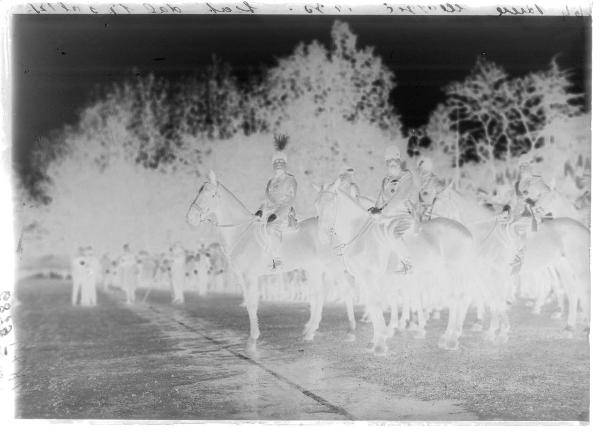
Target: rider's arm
<point x="354" y="192"/>
<point x="380" y="199"/>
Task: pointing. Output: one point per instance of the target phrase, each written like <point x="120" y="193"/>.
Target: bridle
<point x="200" y="210"/>
<point x="339" y="248"/>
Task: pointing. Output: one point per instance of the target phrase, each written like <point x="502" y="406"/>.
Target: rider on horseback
<point x="531" y="191"/>
<point x="397" y="190"/>
<point x="430" y="187"/>
<point x="279" y="197"/>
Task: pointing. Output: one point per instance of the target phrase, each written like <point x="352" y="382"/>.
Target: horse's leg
<point x="461" y="307"/>
<point x="452" y="312"/>
<point x="559" y="292"/>
<point x="504" y="327"/>
<point x="393" y="298"/>
<point x="315" y="321"/>
<point x="252" y="300"/>
<point x="379" y="328"/>
<point x="312" y="298"/>
<point x="349" y="300"/>
<point x="480" y="310"/>
<point x="542" y="290"/>
<point x="421" y="319"/>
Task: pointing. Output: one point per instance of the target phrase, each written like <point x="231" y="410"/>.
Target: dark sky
<point x="58" y="59"/>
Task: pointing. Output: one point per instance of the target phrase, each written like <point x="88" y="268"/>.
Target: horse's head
<point x="205" y="203"/>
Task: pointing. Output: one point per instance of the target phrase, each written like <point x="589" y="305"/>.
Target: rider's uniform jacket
<point x="537" y="190"/>
<point x="430" y="183"/>
<point x="395" y="191"/>
<point x="280" y="194"/>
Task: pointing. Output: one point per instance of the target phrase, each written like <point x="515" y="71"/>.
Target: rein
<point x="340" y="247"/>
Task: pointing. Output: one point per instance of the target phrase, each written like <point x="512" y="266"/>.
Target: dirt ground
<point x="158" y="361"/>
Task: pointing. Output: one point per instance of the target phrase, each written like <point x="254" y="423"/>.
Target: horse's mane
<point x="233" y="197"/>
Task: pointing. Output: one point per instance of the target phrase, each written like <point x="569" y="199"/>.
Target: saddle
<point x="275" y="225"/>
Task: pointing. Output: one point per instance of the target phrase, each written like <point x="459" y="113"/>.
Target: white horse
<point x="372" y="252"/>
<point x="245" y="241"/>
<point x="495" y="252"/>
<point x="560" y="247"/>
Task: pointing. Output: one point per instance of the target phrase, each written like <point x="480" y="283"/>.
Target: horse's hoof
<point x="489" y="336"/>
<point x="502" y="339"/>
<point x="380" y="350"/>
<point x="451" y="345"/>
<point x="309" y="336"/>
<point x="251" y="350"/>
<point x="391" y="331"/>
<point x="350" y="337"/>
<point x="419" y="334"/>
<point x="442" y="343"/>
<point x="556" y="315"/>
<point x="477" y="326"/>
<point x="569" y="332"/>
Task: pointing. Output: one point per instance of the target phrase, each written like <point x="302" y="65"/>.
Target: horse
<point x="245" y="241"/>
<point x="560" y="248"/>
<point x="372" y="252"/>
<point x="495" y="252"/>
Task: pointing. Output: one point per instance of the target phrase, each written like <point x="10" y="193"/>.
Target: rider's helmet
<point x="280" y="143"/>
<point x="279" y="156"/>
<point x="346" y="170"/>
<point x="392" y="152"/>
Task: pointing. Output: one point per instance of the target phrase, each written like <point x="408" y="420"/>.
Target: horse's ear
<point x="212" y="177"/>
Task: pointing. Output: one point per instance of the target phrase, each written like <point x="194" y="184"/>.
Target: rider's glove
<point x="259" y="213"/>
<point x="374" y="210"/>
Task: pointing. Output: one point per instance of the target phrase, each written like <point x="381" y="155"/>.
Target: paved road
<point x="159" y="361"/>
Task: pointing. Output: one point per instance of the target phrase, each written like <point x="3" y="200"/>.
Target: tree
<point x="480" y="103"/>
<point x="340" y="83"/>
<point x="211" y="103"/>
<point x="535" y="101"/>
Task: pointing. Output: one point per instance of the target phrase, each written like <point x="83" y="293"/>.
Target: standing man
<point x="430" y="187"/>
<point x="177" y="273"/>
<point x="128" y="274"/>
<point x="90" y="275"/>
<point x="78" y="265"/>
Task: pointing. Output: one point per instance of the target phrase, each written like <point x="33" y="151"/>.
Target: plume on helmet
<point x="281" y="141"/>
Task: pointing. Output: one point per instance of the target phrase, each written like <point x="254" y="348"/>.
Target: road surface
<point x="159" y="361"/>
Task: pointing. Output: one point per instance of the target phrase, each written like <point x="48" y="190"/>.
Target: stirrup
<point x="277" y="262"/>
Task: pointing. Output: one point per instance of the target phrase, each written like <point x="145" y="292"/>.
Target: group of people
<point x="180" y="269"/>
<point x="402" y="191"/>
